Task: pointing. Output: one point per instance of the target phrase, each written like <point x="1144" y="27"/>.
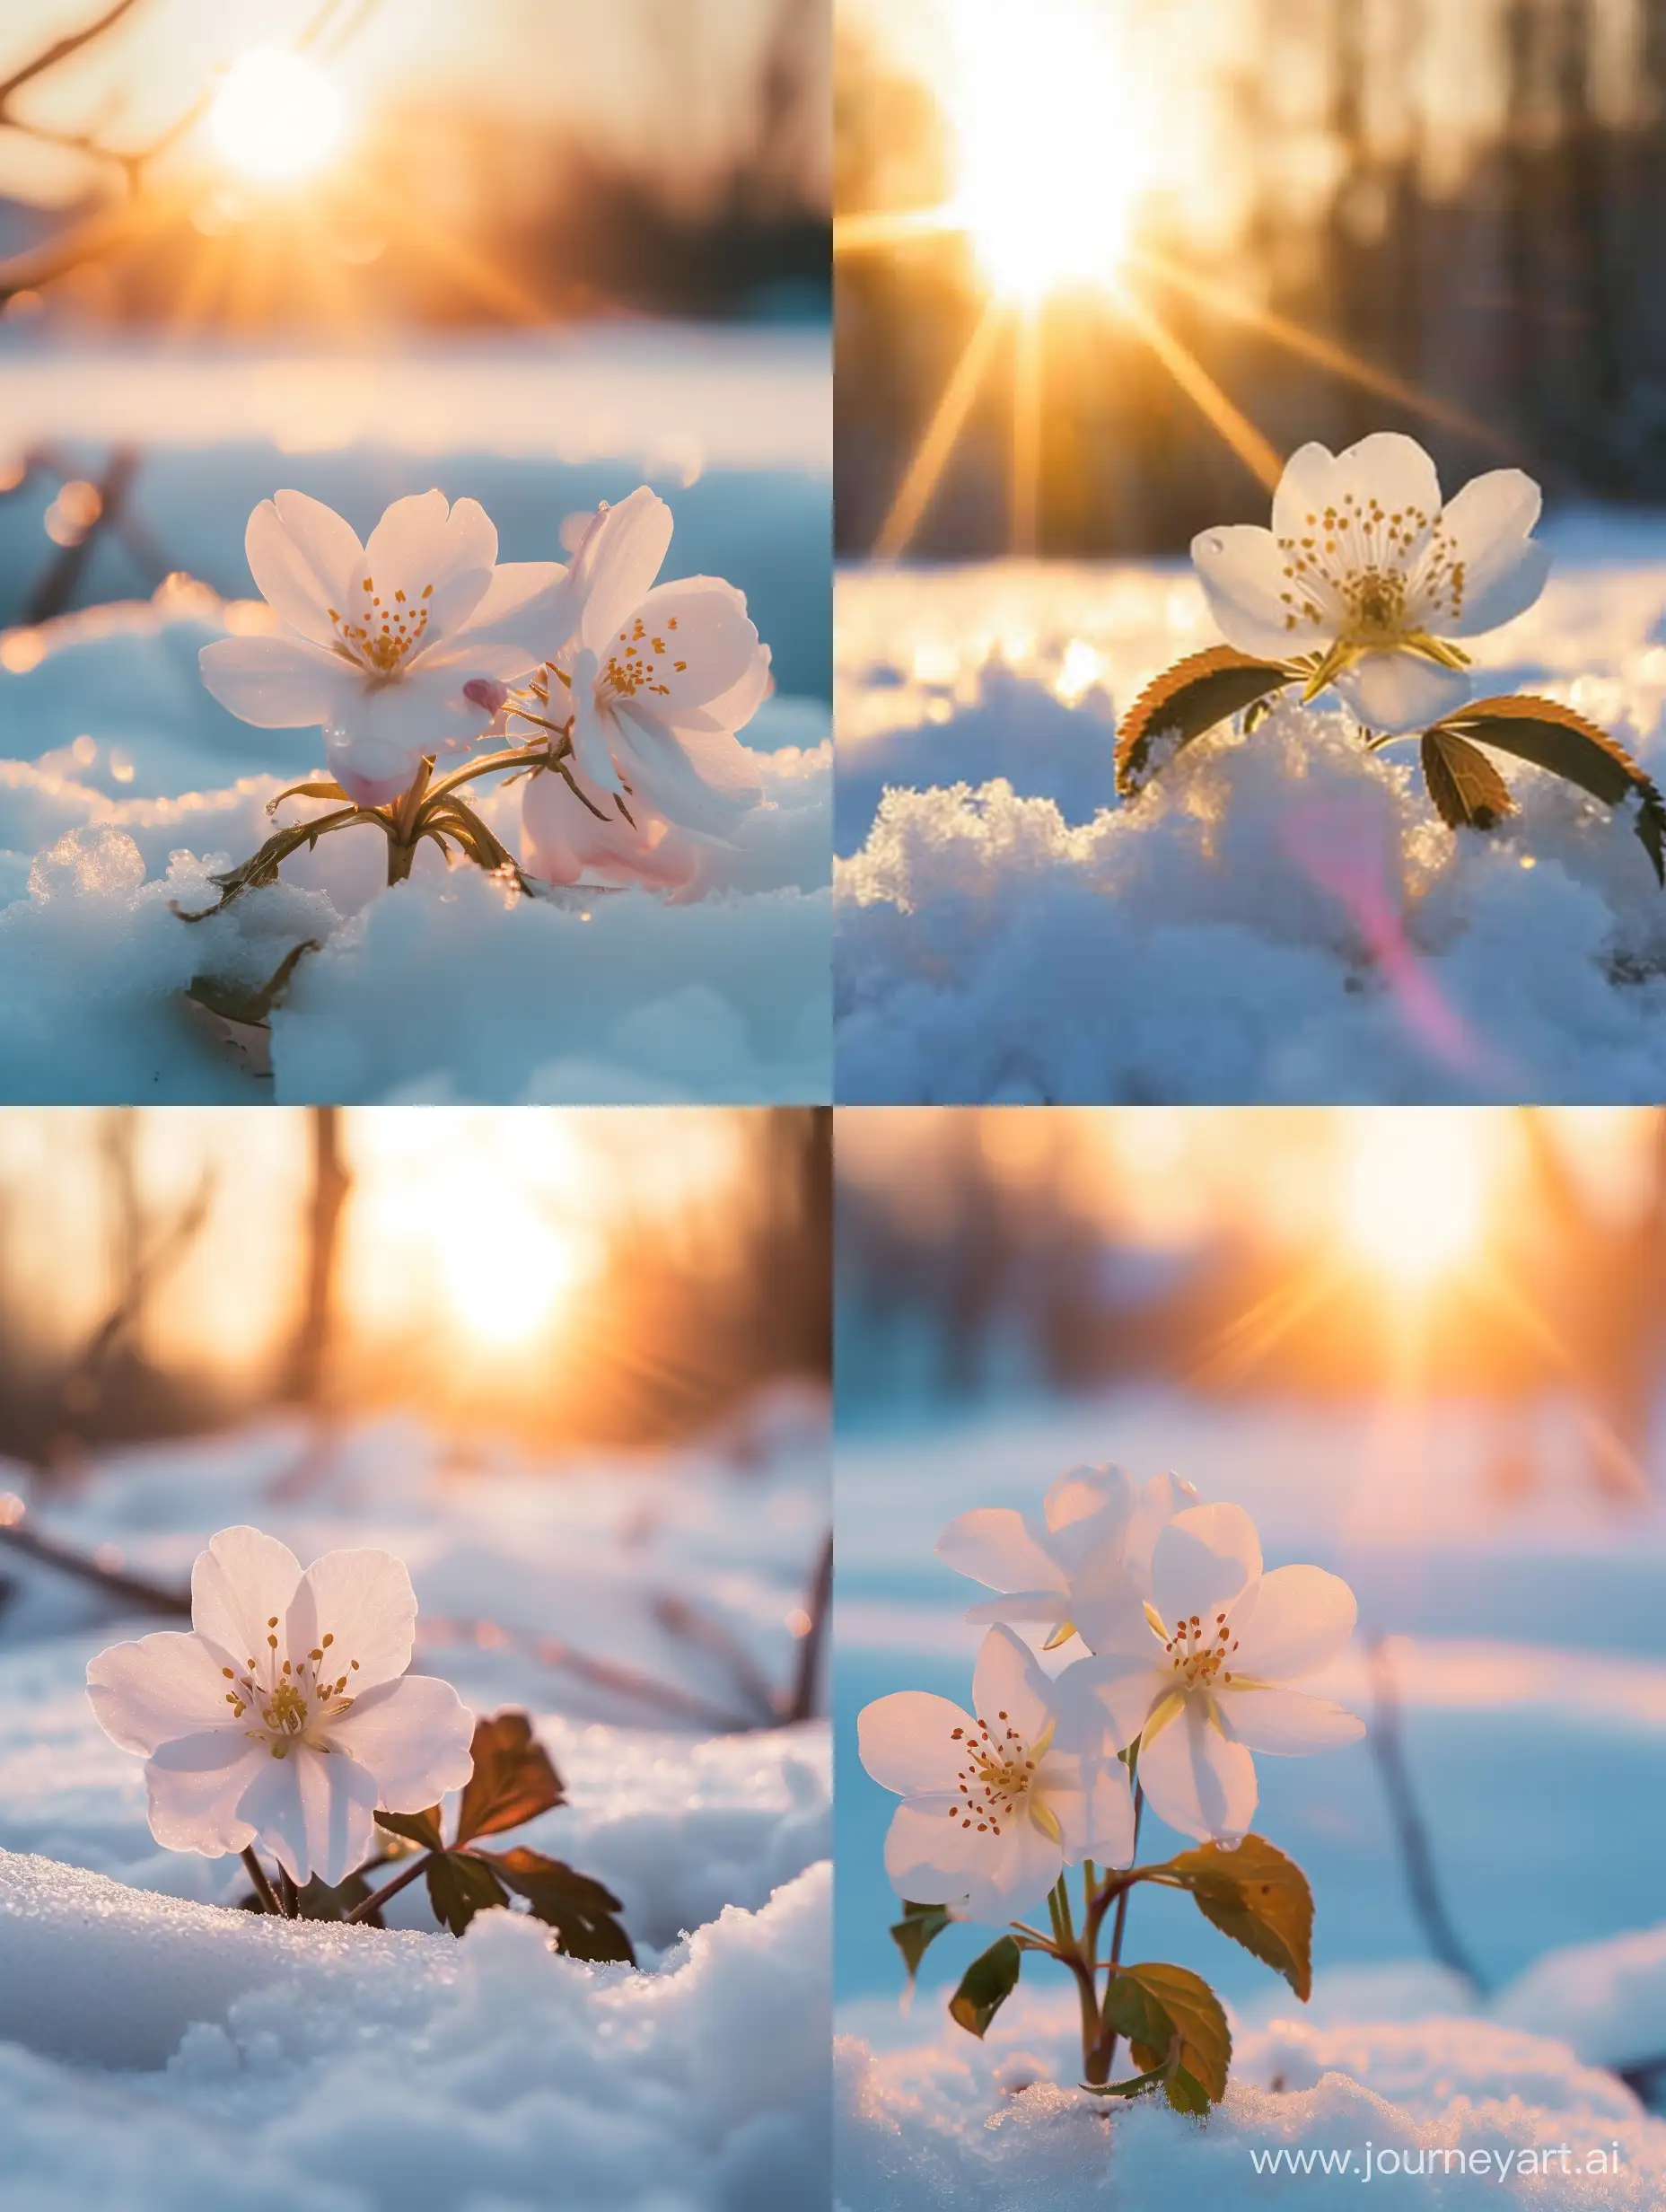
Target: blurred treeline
<point x="971" y="1266"/>
<point x="212" y="1286"/>
<point x="1495" y="243"/>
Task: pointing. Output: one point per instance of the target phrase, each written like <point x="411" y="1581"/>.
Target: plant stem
<point x="379" y="1898"/>
<point x="289" y="1893"/>
<point x="263" y="1888"/>
<point x="1120" y="1922"/>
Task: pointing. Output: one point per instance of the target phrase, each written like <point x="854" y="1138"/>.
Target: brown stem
<point x="291" y="1896"/>
<point x="263" y="1888"/>
<point x="378" y="1898"/>
<point x="1108" y="2038"/>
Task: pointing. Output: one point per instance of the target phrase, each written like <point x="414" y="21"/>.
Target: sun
<point x="1050" y="159"/>
<point x="277" y="117"/>
<point x="1414" y="1190"/>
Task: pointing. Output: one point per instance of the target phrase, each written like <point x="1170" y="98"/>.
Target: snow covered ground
<point x="1527" y="1650"/>
<point x="122" y="783"/>
<point x="1276" y="918"/>
<point x="159" y="2055"/>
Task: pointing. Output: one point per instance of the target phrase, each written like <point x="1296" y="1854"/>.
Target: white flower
<point x="659" y="678"/>
<point x="1201" y="1679"/>
<point x="285" y="1717"/>
<point x="1365" y="567"/>
<point x="991" y="1813"/>
<point x="381" y="640"/>
<point x="1086" y="1568"/>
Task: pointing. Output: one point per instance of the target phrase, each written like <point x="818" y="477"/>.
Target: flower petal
<point x="240" y="1585"/>
<point x="413" y="1736"/>
<point x="1289" y="1721"/>
<point x="195" y="1786"/>
<point x="1093" y="1800"/>
<point x="930" y="1854"/>
<point x="1399" y="692"/>
<point x="1505" y="568"/>
<point x="1386" y="466"/>
<point x="1197" y="1778"/>
<point x="1103" y="1702"/>
<point x="595" y="733"/>
<point x="700" y="780"/>
<point x="165" y="1685"/>
<point x="276" y="683"/>
<point x="616" y="563"/>
<point x="302" y="557"/>
<point x="565" y="843"/>
<point x="1010" y="1694"/>
<point x="907" y="1742"/>
<point x="1202" y="1560"/>
<point x="1299" y="1619"/>
<point x="1257" y="605"/>
<point x="363" y="1604"/>
<point x="422" y="546"/>
<point x="992" y="1545"/>
<point x="1101" y="1494"/>
<point x="313" y="1810"/>
<point x="690" y="641"/>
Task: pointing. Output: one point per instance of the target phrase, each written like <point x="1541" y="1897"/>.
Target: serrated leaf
<point x="513" y="1779"/>
<point x="987" y="1984"/>
<point x="578" y="1909"/>
<point x="423" y="1827"/>
<point x="1137" y="2084"/>
<point x="1553" y="736"/>
<point x="1187" y="699"/>
<point x="1151" y="2003"/>
<point x="1260" y="1899"/>
<point x="1468" y="791"/>
<point x="918" y="1928"/>
<point x="459" y="1885"/>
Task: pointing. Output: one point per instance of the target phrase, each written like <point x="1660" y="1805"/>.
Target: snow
<point x="1527" y="1651"/>
<point x="123" y="784"/>
<point x="161" y="2054"/>
<point x="1281" y="917"/>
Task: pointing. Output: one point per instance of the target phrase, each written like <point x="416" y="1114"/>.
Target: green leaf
<point x="580" y="1911"/>
<point x="459" y="1885"/>
<point x="1136" y="2086"/>
<point x="1152" y="2004"/>
<point x="1554" y="737"/>
<point x="235" y="1001"/>
<point x="1260" y="1899"/>
<point x="917" y="1931"/>
<point x="328" y="789"/>
<point x="986" y="1986"/>
<point x="1468" y="791"/>
<point x="513" y="1780"/>
<point x="1187" y="699"/>
<point x="423" y="1827"/>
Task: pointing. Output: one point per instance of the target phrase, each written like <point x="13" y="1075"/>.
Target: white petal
<point x="700" y="780"/>
<point x="1202" y="1560"/>
<point x="1286" y="1721"/>
<point x="565" y="843"/>
<point x="592" y="730"/>
<point x="302" y="556"/>
<point x="931" y="1856"/>
<point x="276" y="683"/>
<point x="1243" y="576"/>
<point x="413" y="1736"/>
<point x="420" y="543"/>
<point x="240" y="1585"/>
<point x="313" y="1810"/>
<point x="690" y="641"/>
<point x="1048" y="1607"/>
<point x="1388" y="467"/>
<point x="371" y="775"/>
<point x="1102" y="1495"/>
<point x="735" y="707"/>
<point x="195" y="1786"/>
<point x="1025" y="1864"/>
<point x="617" y="563"/>
<point x="912" y="1742"/>
<point x="1009" y="1693"/>
<point x="1399" y="692"/>
<point x="1093" y="1800"/>
<point x="1197" y="1779"/>
<point x="1103" y="1702"/>
<point x="1298" y="1618"/>
<point x="165" y="1685"/>
<point x="363" y="1601"/>
<point x="530" y="601"/>
<point x="380" y="734"/>
<point x="992" y="1545"/>
<point x="1489" y="524"/>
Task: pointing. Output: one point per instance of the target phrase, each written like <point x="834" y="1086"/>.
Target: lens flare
<point x="276" y="117"/>
<point x="1414" y="1196"/>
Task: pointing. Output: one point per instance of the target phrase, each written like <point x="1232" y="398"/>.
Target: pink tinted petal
<point x="1009" y="1693"/>
<point x="912" y="1742"/>
<point x="302" y="556"/>
<point x="276" y="683"/>
<point x="313" y="1810"/>
<point x="565" y="843"/>
<point x="195" y="1786"/>
<point x="239" y="1585"/>
<point x="413" y="1736"/>
<point x="1300" y="1619"/>
<point x="1202" y="1560"/>
<point x="1399" y="692"/>
<point x="1286" y="1721"/>
<point x="1101" y="1496"/>
<point x="420" y="543"/>
<point x="1044" y="1607"/>
<point x="1093" y="1800"/>
<point x="1197" y="1779"/>
<point x="992" y="1545"/>
<point x="531" y="604"/>
<point x="697" y="643"/>
<point x="165" y="1685"/>
<point x="930" y="1856"/>
<point x="1022" y="1868"/>
<point x="363" y="1601"/>
<point x="702" y="781"/>
<point x="1243" y="576"/>
<point x="1103" y="1702"/>
<point x="736" y="707"/>
<point x="593" y="731"/>
<point x="617" y="563"/>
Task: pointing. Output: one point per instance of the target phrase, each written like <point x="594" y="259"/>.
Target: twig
<point x="604" y="1673"/>
<point x="263" y="1888"/>
<point x="820" y="1596"/>
<point x="378" y="1898"/>
<point x="114" y="1581"/>
<point x="289" y="1893"/>
<point x="1415" y="1855"/>
<point x="679" y="1617"/>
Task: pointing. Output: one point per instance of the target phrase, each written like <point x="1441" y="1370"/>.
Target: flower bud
<point x="487" y="692"/>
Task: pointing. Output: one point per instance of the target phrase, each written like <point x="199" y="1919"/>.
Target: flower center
<point x="383" y="630"/>
<point x="996" y="1780"/>
<point x="1199" y="1653"/>
<point x="634" y="663"/>
<point x="1367" y="568"/>
<point x="293" y="1701"/>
